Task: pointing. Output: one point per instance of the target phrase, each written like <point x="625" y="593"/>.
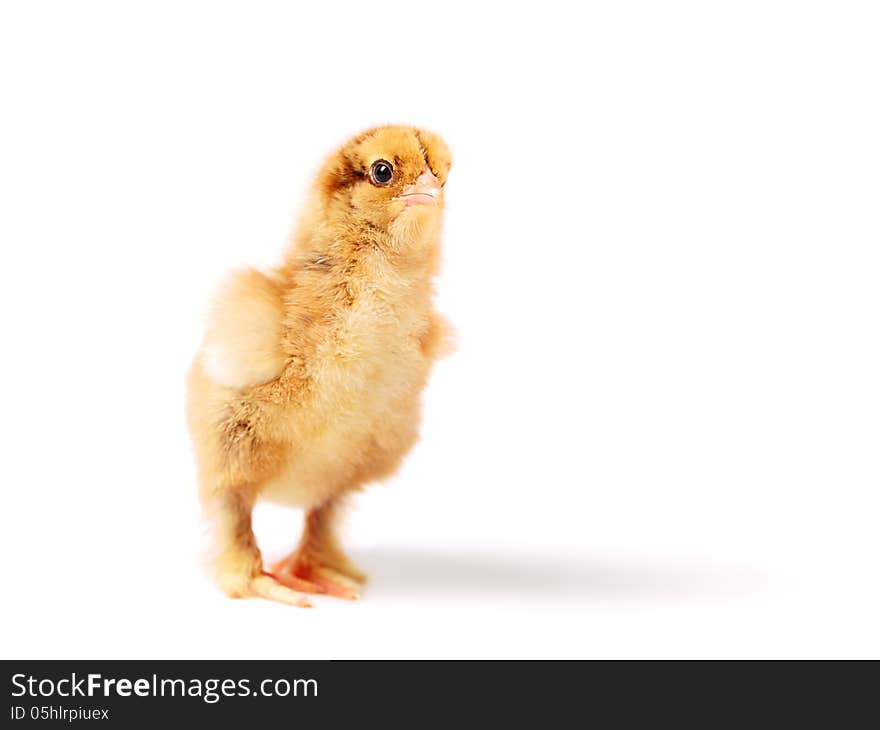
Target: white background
<point x="659" y="437"/>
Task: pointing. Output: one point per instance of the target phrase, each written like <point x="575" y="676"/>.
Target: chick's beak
<point x="425" y="191"/>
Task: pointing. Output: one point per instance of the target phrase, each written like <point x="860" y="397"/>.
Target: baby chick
<point x="308" y="382"/>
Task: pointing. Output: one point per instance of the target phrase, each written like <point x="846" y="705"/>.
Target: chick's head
<point x="387" y="177"/>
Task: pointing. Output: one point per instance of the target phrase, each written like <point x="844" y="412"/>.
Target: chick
<point x="308" y="382"/>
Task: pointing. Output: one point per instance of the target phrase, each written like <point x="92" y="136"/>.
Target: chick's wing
<point x="243" y="334"/>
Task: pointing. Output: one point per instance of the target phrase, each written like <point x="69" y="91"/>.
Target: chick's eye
<point x="381" y="172"/>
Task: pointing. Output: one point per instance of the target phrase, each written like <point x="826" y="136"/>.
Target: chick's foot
<point x="238" y="585"/>
<point x="300" y="573"/>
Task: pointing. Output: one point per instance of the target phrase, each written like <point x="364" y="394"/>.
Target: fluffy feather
<point x="242" y="345"/>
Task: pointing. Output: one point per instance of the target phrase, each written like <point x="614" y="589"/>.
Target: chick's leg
<point x="238" y="565"/>
<point x="319" y="559"/>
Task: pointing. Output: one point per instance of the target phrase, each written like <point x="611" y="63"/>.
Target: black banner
<point x="135" y="694"/>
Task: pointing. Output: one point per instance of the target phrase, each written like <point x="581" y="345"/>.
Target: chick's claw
<point x="336" y="584"/>
<point x="295" y="583"/>
<point x="267" y="586"/>
<point x="294" y="573"/>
